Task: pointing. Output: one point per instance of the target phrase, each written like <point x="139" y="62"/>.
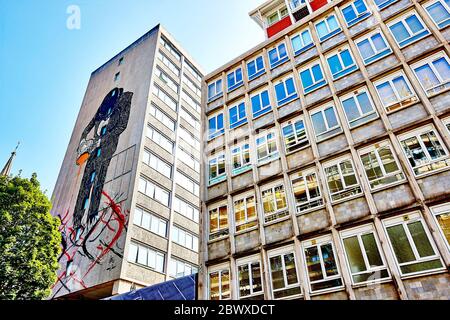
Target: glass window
<point x="260" y="103"/>
<point x="285" y="91"/>
<point x="196" y="74"/>
<point x="245" y="213"/>
<point x="355" y="12"/>
<point x="327" y="27"/>
<point x="250" y="280"/>
<point x="153" y="191"/>
<point x="312" y="77"/>
<point x="186" y="209"/>
<point x="373" y="47"/>
<point x="215" y="126"/>
<point x="191" y="85"/>
<point x="442" y="216"/>
<point x="365" y="262"/>
<point x="408" y="29"/>
<point x="186" y="183"/>
<point x="294" y="133"/>
<point x="166" y="61"/>
<point x="234" y="79"/>
<point x="170" y="48"/>
<point x="341" y="179"/>
<point x="148" y="257"/>
<point x="424" y="150"/>
<point x="439" y="11"/>
<point x="266" y="148"/>
<point x="381" y="165"/>
<point x="218" y="222"/>
<point x="193" y="121"/>
<point x="214" y="89"/>
<point x="184" y="238"/>
<point x="219" y="285"/>
<point x="166" y="79"/>
<point x="150" y="222"/>
<point x="283" y="273"/>
<point x="274" y="203"/>
<point x="162" y="117"/>
<point x="412" y="245"/>
<point x="302" y="41"/>
<point x="433" y="73"/>
<point x="321" y="265"/>
<point x="217" y="172"/>
<point x="306" y="190"/>
<point x="190" y="101"/>
<point x="238" y="115"/>
<point x="384" y="3"/>
<point x="160" y="140"/>
<point x="189" y="138"/>
<point x="241" y="158"/>
<point x="178" y="269"/>
<point x="255" y="67"/>
<point x="358" y="107"/>
<point x="157" y="164"/>
<point x="277" y="15"/>
<point x="325" y="123"/>
<point x="395" y="91"/>
<point x="164" y="97"/>
<point x="341" y="63"/>
<point x="277" y="55"/>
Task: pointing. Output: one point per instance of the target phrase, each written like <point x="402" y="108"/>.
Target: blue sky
<point x="45" y="67"/>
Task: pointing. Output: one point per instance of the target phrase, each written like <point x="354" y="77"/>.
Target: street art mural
<point x="93" y="231"/>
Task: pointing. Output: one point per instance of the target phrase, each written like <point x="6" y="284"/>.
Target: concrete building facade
<point x="327" y="164"/>
<point x="128" y="189"/>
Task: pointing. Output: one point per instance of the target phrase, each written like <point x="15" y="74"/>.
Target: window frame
<point x="218" y="132"/>
<point x="151" y="217"/>
<point x="195" y="210"/>
<point x="270" y="156"/>
<point x="168" y="140"/>
<point x="240" y="121"/>
<point x="244" y="197"/>
<point x="330" y="32"/>
<point x="221" y="268"/>
<point x="292" y="123"/>
<point x="155" y="187"/>
<point x="345" y="70"/>
<point x="217" y="84"/>
<point x="329" y="129"/>
<point x="279" y="213"/>
<point x="354" y="94"/>
<point x="447" y="7"/>
<point x="159" y="161"/>
<point x="249" y="261"/>
<point x="163" y="115"/>
<point x="277" y="11"/>
<point x="280" y="59"/>
<point x="304" y="46"/>
<point x="436" y="211"/>
<point x="378" y="55"/>
<point x="148" y="248"/>
<point x="359" y="16"/>
<point x="337" y="162"/>
<point x="245" y="166"/>
<point x="179" y="242"/>
<point x="302" y="174"/>
<point x="258" y="71"/>
<point x="221" y="233"/>
<point x="215" y="160"/>
<point x="263" y="110"/>
<point x="317" y="84"/>
<point x="288" y="98"/>
<point x="429" y="61"/>
<point x="402" y="19"/>
<point x="236" y="84"/>
<point x="195" y="184"/>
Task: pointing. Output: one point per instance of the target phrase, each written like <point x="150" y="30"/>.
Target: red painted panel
<point x="279" y="26"/>
<point x="317" y="4"/>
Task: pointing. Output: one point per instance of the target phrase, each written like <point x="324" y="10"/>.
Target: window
<point x="117" y="76"/>
<point x="341" y="179"/>
<point x="186" y="209"/>
<point x="441" y="215"/>
<point x="364" y="260"/>
<point x="255" y="68"/>
<point x="325" y="123"/>
<point x="234" y="79"/>
<point x="164" y="97"/>
<point x="218" y="222"/>
<point x="395" y="91"/>
<point x="433" y="73"/>
<point x="321" y="265"/>
<point x="238" y="115"/>
<point x="260" y="103"/>
<point x="169" y="64"/>
<point x="188" y="159"/>
<point x="285" y="90"/>
<point x="191" y="101"/>
<point x="217" y="171"/>
<point x="312" y="77"/>
<point x="277" y="55"/>
<point x="184" y="238"/>
<point x="191" y="85"/>
<point x="381" y="165"/>
<point x="145" y="256"/>
<point x="341" y="63"/>
<point x="150" y="222"/>
<point x="153" y="191"/>
<point x="294" y="134"/>
<point x="266" y="148"/>
<point x="189" y="138"/>
<point x="178" y="268"/>
<point x="250" y="279"/>
<point x="162" y="117"/>
<point x="407" y="29"/>
<point x="424" y="150"/>
<point x="187" y="183"/>
<point x="219" y="284"/>
<point x="166" y="79"/>
<point x="159" y="139"/>
<point x="373" y="47"/>
<point x="306" y="190"/>
<point x="274" y="202"/>
<point x="439" y="11"/>
<point x="355" y="12"/>
<point x="327" y="27"/>
<point x="302" y="41"/>
<point x="283" y="273"/>
<point x="384" y="3"/>
<point x="358" y="107"/>
<point x="215" y="126"/>
<point x="196" y="74"/>
<point x="214" y="89"/>
<point x="120" y="61"/>
<point x="157" y="164"/>
<point x="170" y="48"/>
<point x="412" y="245"/>
<point x="241" y="158"/>
<point x="245" y="213"/>
<point x="193" y="121"/>
<point x="277" y="15"/>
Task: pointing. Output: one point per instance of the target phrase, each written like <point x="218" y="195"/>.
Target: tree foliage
<point x="29" y="240"/>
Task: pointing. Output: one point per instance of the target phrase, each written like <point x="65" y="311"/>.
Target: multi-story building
<point x="128" y="190"/>
<point x="327" y="170"/>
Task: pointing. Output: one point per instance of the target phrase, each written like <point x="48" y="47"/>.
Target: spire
<point x="8" y="166"/>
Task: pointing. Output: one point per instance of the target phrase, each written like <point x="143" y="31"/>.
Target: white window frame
<point x="292" y="123"/>
<point x="169" y="47"/>
<point x="191" y="119"/>
<point x="264" y="109"/>
<point x="279" y="58"/>
<point x="179" y="203"/>
<point x="249" y="261"/>
<point x="368" y="37"/>
<point x="221" y="232"/>
<point x="190" y="101"/>
<point x="319" y="199"/>
<point x="428" y="61"/>
<point x="236" y="105"/>
<point x="164" y="97"/>
<point x="244" y="197"/>
<point x="354" y="95"/>
<point x="219" y="268"/>
<point x="430" y="3"/>
<point x="194" y="163"/>
<point x="389" y="78"/>
<point x="245" y="166"/>
<point x="436" y="211"/>
<point x="156" y="189"/>
<point x="336" y="162"/>
<point x="191" y="85"/>
<point x="278" y="12"/>
<point x="182" y="180"/>
<point x="309" y="68"/>
<point x="299" y="35"/>
<point x="151" y="131"/>
<point x="282" y="81"/>
<point x="149" y="249"/>
<point x="328" y="35"/>
<point x="279" y="213"/>
<point x="189" y="138"/>
<point x="148" y="155"/>
<point x="403" y="18"/>
<point x="258" y="72"/>
<point x="270" y="156"/>
<point x="138" y="218"/>
<point x="358" y="15"/>
<point x="217" y="132"/>
<point x="173" y="266"/>
<point x="193" y="72"/>
<point x="165" y="78"/>
<point x="162" y="117"/>
<point x="176" y="230"/>
<point x="218" y="90"/>
<point x="236" y="84"/>
<point x="220" y="177"/>
<point x="337" y="53"/>
<point x="168" y="63"/>
<point x="329" y="129"/>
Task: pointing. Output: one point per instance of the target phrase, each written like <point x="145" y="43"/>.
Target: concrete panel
<point x="270" y="169"/>
<point x="333" y="41"/>
<point x="318" y="95"/>
<point x="330" y="146"/>
<point x="348" y="81"/>
<point x="383" y="291"/>
<point x="185" y="223"/>
<point x="217" y="190"/>
<point x="339" y="295"/>
<point x="351" y="210"/>
<point x="163" y="153"/>
<point x="258" y="81"/>
<point x="289" y="108"/>
<point x="145" y="236"/>
<point x="238" y="133"/>
<point x="156" y="176"/>
<point x="392" y="198"/>
<point x="394" y="8"/>
<point x="446" y="33"/>
<point x="435" y="287"/>
<point x="152" y="205"/>
<point x="363" y="25"/>
<point x="143" y="274"/>
<point x="407" y="115"/>
<point x="219" y="249"/>
<point x="236" y="93"/>
<point x="189" y="171"/>
<point x="299" y="158"/>
<point x="282" y="68"/>
<point x="441" y="102"/>
<point x="218" y="143"/>
<point x="368" y="131"/>
<point x="313" y="221"/>
<point x="185" y="194"/>
<point x="278" y="231"/>
<point x="436" y="185"/>
<point x="213" y="105"/>
<point x="242" y="180"/>
<point x="382" y="65"/>
<point x="304" y="56"/>
<point x="417" y="48"/>
<point x="247" y="241"/>
<point x="184" y="253"/>
<point x="264" y="120"/>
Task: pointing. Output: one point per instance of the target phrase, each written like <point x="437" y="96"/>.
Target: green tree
<point x="29" y="240"/>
